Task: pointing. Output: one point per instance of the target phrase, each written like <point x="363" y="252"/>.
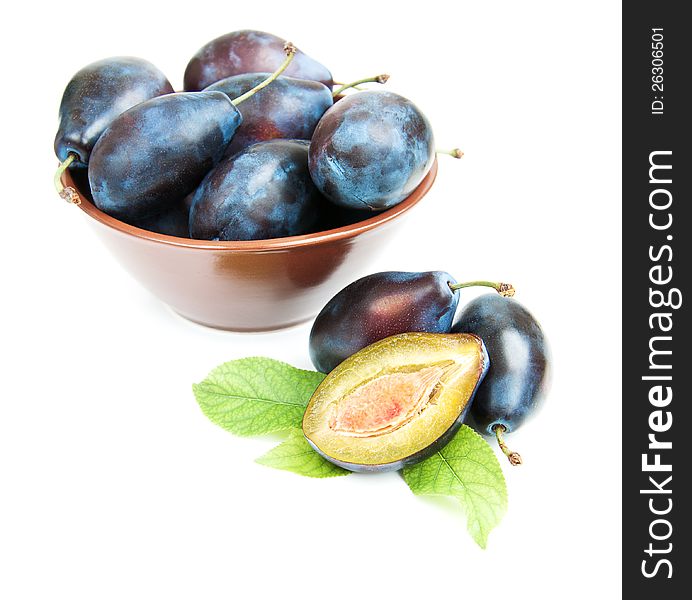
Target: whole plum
<point x="174" y="221"/>
<point x="371" y="150"/>
<point x="518" y="350"/>
<point x="383" y="304"/>
<point x="247" y="51"/>
<point x="263" y="192"/>
<point x="377" y="306"/>
<point x="96" y="95"/>
<point x="157" y="152"/>
<point x="287" y="109"/>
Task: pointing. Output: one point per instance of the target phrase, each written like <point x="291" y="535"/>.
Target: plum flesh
<point x="395" y="402"/>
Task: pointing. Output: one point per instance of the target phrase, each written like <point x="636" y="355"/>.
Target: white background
<point x="112" y="482"/>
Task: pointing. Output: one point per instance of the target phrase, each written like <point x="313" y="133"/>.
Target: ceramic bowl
<point x="251" y="285"/>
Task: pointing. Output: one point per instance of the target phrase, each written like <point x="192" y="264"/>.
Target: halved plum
<point x="396" y="401"/>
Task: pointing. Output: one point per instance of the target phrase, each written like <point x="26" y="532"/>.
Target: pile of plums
<point x="255" y="147"/>
<point x="406" y="368"/>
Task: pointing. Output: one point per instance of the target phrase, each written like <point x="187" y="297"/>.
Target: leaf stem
<point x="69" y="194"/>
<point x="383" y="78"/>
<point x="513" y="457"/>
<point x="504" y="289"/>
<point x="290" y="51"/>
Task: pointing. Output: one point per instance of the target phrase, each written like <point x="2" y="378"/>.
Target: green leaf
<point x="468" y="470"/>
<point x="296" y="455"/>
<point x="254" y="396"/>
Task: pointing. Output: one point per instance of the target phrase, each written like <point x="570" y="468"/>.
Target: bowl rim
<point x="310" y="239"/>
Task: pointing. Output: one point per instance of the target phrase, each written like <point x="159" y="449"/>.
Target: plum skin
<point x="173" y="222"/>
<point x="248" y="51"/>
<point x="377" y="306"/>
<point x="289" y="108"/>
<point x="157" y="152"/>
<point x="517" y="380"/>
<point x="263" y="192"/>
<point x="371" y="150"/>
<point x="99" y="93"/>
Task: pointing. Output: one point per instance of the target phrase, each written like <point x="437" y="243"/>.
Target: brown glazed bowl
<point x="252" y="285"/>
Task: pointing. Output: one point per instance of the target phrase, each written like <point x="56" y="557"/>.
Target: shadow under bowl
<point x="258" y="285"/>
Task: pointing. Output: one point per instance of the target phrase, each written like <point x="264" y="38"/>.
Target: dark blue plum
<point x="517" y="378"/>
<point x="96" y="95"/>
<point x="263" y="192"/>
<point x="371" y="150"/>
<point x="335" y="216"/>
<point x="248" y="51"/>
<point x="287" y="109"/>
<point x="156" y="153"/>
<point x="174" y="221"/>
<point x="377" y="306"/>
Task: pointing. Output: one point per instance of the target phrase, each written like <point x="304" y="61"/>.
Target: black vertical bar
<point x="657" y="259"/>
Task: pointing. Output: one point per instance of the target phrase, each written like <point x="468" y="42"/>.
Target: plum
<point x="395" y="402"/>
<point x="517" y="379"/>
<point x="96" y="95"/>
<point x="371" y="150"/>
<point x="157" y="152"/>
<point x="263" y="192"/>
<point x="247" y="51"/>
<point x="174" y="221"/>
<point x="377" y="306"/>
<point x="383" y="304"/>
<point x="288" y="109"/>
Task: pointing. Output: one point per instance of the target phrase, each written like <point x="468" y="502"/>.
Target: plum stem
<point x="454" y="152"/>
<point x="290" y="51"/>
<point x="69" y="194"/>
<point x="513" y="457"/>
<point x="504" y="289"/>
<point x="383" y="78"/>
